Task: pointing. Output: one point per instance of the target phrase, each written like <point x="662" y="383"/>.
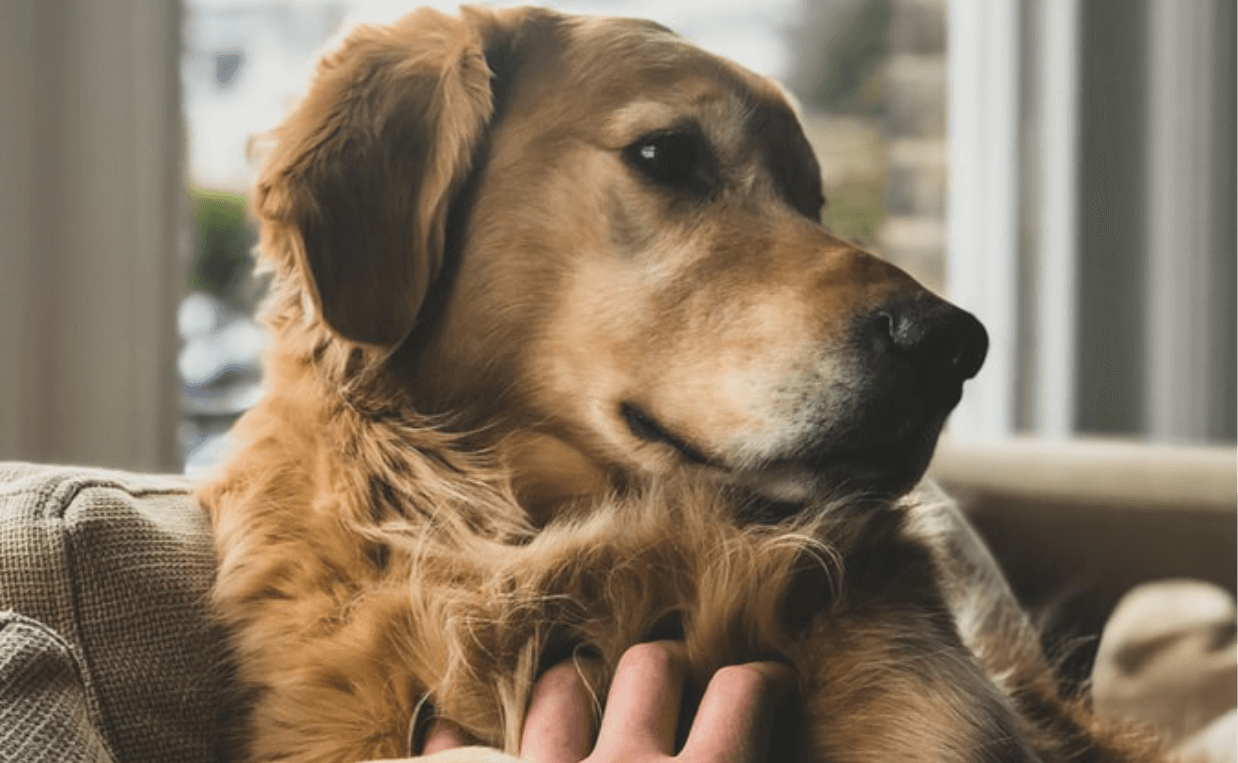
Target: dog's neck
<point x="380" y="460"/>
<point x="550" y="476"/>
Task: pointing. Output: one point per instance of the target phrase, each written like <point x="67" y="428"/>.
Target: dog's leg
<point x="989" y="618"/>
<point x="885" y="672"/>
<point x="997" y="631"/>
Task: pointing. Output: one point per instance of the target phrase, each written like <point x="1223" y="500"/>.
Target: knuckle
<point x="753" y="679"/>
<point x="745" y="678"/>
<point x="654" y="655"/>
<point x="562" y="676"/>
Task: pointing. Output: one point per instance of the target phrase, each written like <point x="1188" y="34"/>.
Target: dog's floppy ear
<point x="360" y="176"/>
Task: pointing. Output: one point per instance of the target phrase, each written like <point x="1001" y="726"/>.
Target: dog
<point x="563" y="361"/>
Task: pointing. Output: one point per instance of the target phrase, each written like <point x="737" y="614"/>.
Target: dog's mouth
<point x="645" y="427"/>
<point x="887" y="467"/>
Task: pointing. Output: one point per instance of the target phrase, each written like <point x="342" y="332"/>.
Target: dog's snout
<point x="935" y="336"/>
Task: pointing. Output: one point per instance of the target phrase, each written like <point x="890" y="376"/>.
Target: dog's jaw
<point x="886" y="469"/>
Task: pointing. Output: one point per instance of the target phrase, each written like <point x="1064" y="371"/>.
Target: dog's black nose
<point x="944" y="342"/>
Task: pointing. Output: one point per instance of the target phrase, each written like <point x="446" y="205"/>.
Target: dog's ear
<point x="359" y="178"/>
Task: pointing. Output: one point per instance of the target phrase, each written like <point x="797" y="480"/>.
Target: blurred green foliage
<point x="223" y="240"/>
<point x="853" y="81"/>
<point x="856" y="209"/>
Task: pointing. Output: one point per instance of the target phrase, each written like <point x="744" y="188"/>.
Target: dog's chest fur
<point x="381" y="599"/>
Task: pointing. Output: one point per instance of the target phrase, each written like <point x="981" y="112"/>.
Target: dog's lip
<point x="879" y="452"/>
<point x="645" y="427"/>
<point x="788" y="487"/>
<point x="888" y="465"/>
<point x="880" y="466"/>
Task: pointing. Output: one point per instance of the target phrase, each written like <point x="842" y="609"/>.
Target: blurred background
<point x="1063" y="168"/>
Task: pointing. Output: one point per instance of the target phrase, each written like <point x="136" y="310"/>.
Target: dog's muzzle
<point x="909" y="361"/>
<point x="874" y="427"/>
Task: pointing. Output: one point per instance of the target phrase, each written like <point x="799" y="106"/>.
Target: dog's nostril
<point x="935" y="334"/>
<point x="886" y="330"/>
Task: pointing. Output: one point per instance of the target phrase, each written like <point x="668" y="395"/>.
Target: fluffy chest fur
<point x="347" y="621"/>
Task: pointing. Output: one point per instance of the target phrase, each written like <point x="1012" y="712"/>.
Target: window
<point x="1089" y="222"/>
<point x="1092" y="216"/>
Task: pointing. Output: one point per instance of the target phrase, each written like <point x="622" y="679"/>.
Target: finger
<point x="643" y="706"/>
<point x="560" y="725"/>
<point x="735" y="715"/>
<point x="444" y="735"/>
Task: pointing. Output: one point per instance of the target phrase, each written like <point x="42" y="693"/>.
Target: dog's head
<point x="602" y="246"/>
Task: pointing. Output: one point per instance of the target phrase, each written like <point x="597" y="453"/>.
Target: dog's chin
<point x="810" y="474"/>
<point x="882" y="472"/>
<point x="887" y="469"/>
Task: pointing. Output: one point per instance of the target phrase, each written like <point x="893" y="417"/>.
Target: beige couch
<point x="106" y="651"/>
<point x="1136" y="539"/>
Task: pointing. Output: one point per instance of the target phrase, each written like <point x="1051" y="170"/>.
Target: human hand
<point x="732" y="723"/>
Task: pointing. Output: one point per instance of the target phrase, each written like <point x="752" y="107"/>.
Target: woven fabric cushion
<point x="107" y="651"/>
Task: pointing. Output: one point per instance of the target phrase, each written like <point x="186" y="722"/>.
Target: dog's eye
<point x="678" y="159"/>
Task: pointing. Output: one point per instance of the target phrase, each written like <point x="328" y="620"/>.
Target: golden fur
<point x="526" y="404"/>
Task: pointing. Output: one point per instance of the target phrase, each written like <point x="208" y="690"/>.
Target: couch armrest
<point x="1076" y="524"/>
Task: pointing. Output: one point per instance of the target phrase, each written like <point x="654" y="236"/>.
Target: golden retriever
<point x="563" y="361"/>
